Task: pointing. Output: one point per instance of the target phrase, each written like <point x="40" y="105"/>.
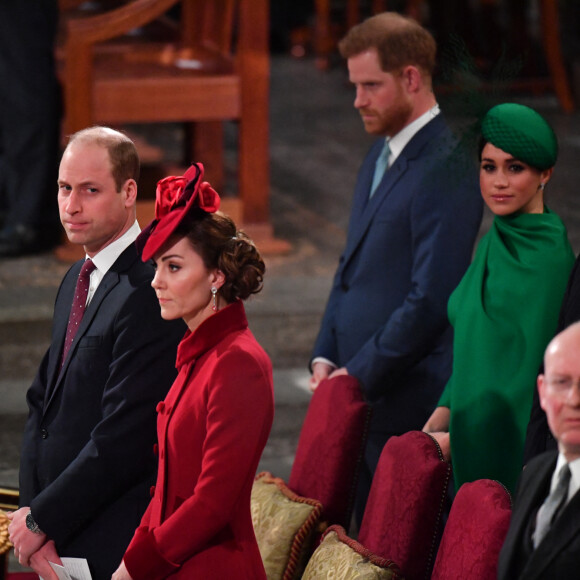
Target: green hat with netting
<point x="521" y="132"/>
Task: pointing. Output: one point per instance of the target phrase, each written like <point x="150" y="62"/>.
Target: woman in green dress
<point x="505" y="310"/>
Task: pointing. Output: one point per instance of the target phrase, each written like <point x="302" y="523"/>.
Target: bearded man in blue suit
<point x="415" y="216"/>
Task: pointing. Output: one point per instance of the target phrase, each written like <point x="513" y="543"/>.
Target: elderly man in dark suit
<point x="543" y="540"/>
<point x="415" y="216"/>
<point x="538" y="437"/>
<point x="87" y="459"/>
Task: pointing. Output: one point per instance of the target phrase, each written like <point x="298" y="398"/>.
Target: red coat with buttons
<point x="212" y="429"/>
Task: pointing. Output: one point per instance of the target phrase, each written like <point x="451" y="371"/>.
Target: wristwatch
<point x="32" y="525"/>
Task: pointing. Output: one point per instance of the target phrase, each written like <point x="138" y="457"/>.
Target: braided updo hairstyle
<point x="215" y="238"/>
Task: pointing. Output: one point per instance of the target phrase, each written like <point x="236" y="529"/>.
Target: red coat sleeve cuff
<point x="144" y="560"/>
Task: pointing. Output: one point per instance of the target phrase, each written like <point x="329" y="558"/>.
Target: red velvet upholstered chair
<point x="474" y="533"/>
<point x="330" y="448"/>
<point x="403" y="515"/>
<point x="288" y="520"/>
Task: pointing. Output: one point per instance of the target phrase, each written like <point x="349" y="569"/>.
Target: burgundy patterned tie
<point x="78" y="306"/>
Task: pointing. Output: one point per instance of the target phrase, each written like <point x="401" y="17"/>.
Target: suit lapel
<point x="564" y="530"/>
<point x="109" y="281"/>
<point x="365" y="209"/>
<point x="529" y="498"/>
<point x="364" y="183"/>
<point x="60" y="321"/>
<point x="386" y="185"/>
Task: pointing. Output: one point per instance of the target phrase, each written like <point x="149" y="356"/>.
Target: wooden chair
<point x="553" y="52"/>
<point x="324" y="41"/>
<point x="214" y="69"/>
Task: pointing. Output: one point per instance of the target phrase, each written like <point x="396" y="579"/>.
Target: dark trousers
<point x="30" y="111"/>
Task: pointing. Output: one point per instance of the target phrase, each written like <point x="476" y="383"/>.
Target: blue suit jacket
<point x="87" y="459"/>
<point x="407" y="249"/>
<point x="558" y="555"/>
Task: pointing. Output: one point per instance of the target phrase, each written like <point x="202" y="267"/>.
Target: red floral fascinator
<point x="175" y="197"/>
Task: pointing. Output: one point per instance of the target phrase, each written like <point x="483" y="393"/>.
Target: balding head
<point x="559" y="389"/>
<point x="564" y="340"/>
<point x="122" y="151"/>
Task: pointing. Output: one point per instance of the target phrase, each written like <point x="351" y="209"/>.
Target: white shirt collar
<point x="398" y="142"/>
<point x="108" y="256"/>
<point x="574" y="485"/>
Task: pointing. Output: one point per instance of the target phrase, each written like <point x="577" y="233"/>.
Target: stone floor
<point x="317" y="144"/>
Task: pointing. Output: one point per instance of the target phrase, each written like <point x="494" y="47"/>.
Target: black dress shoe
<point x="20" y="240"/>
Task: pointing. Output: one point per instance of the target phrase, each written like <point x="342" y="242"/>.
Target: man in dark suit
<point x="415" y="216"/>
<point x="543" y="540"/>
<point x="87" y="459"/>
<point x="538" y="436"/>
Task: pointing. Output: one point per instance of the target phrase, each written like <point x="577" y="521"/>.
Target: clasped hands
<point x="31" y="549"/>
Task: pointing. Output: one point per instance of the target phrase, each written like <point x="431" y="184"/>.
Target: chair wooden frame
<point x="237" y="92"/>
<point x="551" y="40"/>
<point x="550" y="27"/>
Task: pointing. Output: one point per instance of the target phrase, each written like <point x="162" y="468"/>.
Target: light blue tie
<point x="380" y="166"/>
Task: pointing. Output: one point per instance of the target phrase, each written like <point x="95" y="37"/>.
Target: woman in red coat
<point x="214" y="423"/>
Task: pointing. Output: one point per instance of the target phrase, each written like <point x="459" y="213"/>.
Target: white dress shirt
<point x="108" y="256"/>
<point x="574" y="484"/>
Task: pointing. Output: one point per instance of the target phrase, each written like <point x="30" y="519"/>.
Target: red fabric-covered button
<point x="155" y="449"/>
<point x="160" y="407"/>
<point x="152" y="491"/>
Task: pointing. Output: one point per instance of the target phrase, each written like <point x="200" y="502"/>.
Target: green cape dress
<point x="504" y="312"/>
